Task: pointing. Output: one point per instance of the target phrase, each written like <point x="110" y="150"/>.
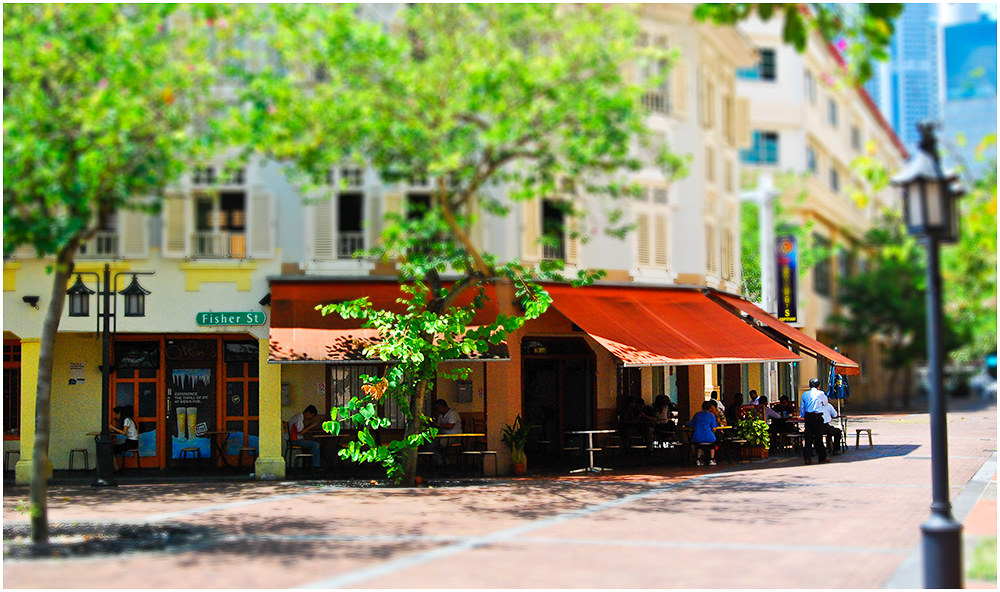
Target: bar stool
<point x="188" y="454"/>
<point x="297" y="459"/>
<point x="6" y="457"/>
<point x="857" y="437"/>
<point x="86" y="458"/>
<point x="249" y="451"/>
<point x="481" y="455"/>
<point x="138" y="461"/>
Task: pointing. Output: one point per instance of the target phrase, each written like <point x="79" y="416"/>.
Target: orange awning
<point x="300" y="333"/>
<point x="645" y="326"/>
<point x="812" y="347"/>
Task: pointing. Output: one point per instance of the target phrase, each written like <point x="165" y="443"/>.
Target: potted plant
<point x="515" y="437"/>
<point x="755" y="432"/>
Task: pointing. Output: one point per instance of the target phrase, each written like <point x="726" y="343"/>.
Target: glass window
<point x="764" y="149"/>
<point x="766" y="69"/>
<point x="811" y="160"/>
<point x="832" y="109"/>
<point x="821" y="271"/>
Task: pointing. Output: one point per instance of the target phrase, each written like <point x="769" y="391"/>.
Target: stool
<point x="138" y="462"/>
<point x="793" y="441"/>
<point x="6" y="457"/>
<point x="296" y="458"/>
<point x="187" y="454"/>
<point x="249" y="451"/>
<point x="481" y="455"/>
<point x="86" y="458"/>
<point x="857" y="437"/>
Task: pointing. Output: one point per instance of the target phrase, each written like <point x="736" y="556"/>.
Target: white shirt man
<point x="812" y="405"/>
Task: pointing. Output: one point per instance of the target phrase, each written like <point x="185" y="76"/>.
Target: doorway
<point x="559" y="392"/>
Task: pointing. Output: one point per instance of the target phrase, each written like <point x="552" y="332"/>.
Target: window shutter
<point x="371" y="214"/>
<point x="572" y="244"/>
<point x="176" y="214"/>
<point x="711" y="255"/>
<point x="133" y="234"/>
<point x="531" y="229"/>
<point x="743" y="137"/>
<point x="643" y="249"/>
<point x="679" y="87"/>
<point x="661" y="251"/>
<point x="324" y="233"/>
<point x="262" y="222"/>
<point x="703" y="97"/>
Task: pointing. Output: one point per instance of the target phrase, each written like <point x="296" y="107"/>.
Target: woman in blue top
<point x="704" y="424"/>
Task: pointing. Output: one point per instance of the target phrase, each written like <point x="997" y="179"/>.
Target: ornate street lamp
<point x="135" y="298"/>
<point x="930" y="209"/>
<point x="79" y="298"/>
<point x="79" y="306"/>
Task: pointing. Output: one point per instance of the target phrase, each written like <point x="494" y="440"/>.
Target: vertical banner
<point x="787" y="255"/>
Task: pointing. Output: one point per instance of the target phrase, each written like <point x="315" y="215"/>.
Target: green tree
<point x="99" y="104"/>
<point x="530" y="96"/>
<point x="969" y="271"/>
<point x="861" y="31"/>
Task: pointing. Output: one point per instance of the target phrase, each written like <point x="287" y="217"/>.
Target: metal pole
<point x="105" y="443"/>
<point x="942" y="534"/>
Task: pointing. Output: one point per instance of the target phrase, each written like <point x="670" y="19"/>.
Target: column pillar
<point x="30" y="351"/>
<point x="270" y="464"/>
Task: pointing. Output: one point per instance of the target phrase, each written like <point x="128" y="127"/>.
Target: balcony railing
<point x="219" y="245"/>
<point x="554" y="252"/>
<point x="348" y="243"/>
<point x="103" y="245"/>
<point x="657" y="101"/>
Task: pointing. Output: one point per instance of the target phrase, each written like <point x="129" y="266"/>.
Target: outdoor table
<point x="591" y="450"/>
<point x="462" y="437"/>
<point x="326" y="440"/>
<point x="219" y="444"/>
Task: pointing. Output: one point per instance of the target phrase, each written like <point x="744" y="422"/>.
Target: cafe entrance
<point x="559" y="393"/>
<point x="195" y="400"/>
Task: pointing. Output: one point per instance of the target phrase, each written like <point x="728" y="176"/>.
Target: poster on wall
<point x="192" y="399"/>
<point x="787" y="254"/>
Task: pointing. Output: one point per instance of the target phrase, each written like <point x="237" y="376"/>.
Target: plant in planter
<point x="515" y="437"/>
<point x="755" y="432"/>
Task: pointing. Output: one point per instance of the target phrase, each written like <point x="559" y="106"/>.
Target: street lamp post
<point x="930" y="211"/>
<point x="79" y="306"/>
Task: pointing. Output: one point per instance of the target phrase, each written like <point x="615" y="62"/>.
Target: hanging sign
<point x="787" y="255"/>
<point x="230" y="318"/>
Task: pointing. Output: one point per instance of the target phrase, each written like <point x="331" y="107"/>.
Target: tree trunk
<point x="413" y="427"/>
<point x="43" y="397"/>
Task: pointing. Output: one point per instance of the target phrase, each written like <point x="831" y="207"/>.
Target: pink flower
<point x="222" y="23"/>
<point x="827" y="79"/>
<point x="842" y="45"/>
<point x="190" y="67"/>
<point x="210" y="22"/>
<point x="102" y="84"/>
<point x="271" y="110"/>
<point x="48" y="46"/>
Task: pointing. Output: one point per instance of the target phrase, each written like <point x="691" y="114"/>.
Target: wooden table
<point x="219" y="444"/>
<point x="591" y="450"/>
<point x="325" y="440"/>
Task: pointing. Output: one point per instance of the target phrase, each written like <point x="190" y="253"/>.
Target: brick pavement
<point x="853" y="523"/>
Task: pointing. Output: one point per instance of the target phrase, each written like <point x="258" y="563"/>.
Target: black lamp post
<point x="79" y="306"/>
<point x="930" y="210"/>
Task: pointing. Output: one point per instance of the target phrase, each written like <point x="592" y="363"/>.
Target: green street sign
<point x="230" y="318"/>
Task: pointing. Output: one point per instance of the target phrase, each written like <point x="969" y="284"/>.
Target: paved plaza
<point x="853" y="523"/>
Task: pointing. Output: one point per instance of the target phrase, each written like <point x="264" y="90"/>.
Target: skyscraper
<point x="970" y="83"/>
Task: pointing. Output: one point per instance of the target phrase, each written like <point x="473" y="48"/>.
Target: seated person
<point x="664" y="410"/>
<point x="719" y="416"/>
<point x="448" y="422"/>
<point x="752" y="397"/>
<point x="298" y="425"/>
<point x="830" y="430"/>
<point x="704" y="424"/>
<point x="715" y="397"/>
<point x="784" y="406"/>
<point x="123" y="415"/>
<point x="733" y="409"/>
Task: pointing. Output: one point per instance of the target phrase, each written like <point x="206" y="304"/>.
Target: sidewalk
<point x="853" y="523"/>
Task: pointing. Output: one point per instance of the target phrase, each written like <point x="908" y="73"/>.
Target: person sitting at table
<point x="719" y="416"/>
<point x="664" y="410"/>
<point x="704" y="425"/>
<point x="733" y="410"/>
<point x="715" y="397"/>
<point x="640" y="421"/>
<point x="752" y="397"/>
<point x="298" y="425"/>
<point x="123" y="416"/>
<point x="830" y="430"/>
<point x="785" y="406"/>
<point x="448" y="422"/>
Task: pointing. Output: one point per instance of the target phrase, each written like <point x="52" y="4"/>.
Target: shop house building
<point x="231" y="249"/>
<point x="803" y="122"/>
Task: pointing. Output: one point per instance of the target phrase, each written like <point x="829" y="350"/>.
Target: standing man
<point x="813" y="403"/>
<point x="303" y="422"/>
